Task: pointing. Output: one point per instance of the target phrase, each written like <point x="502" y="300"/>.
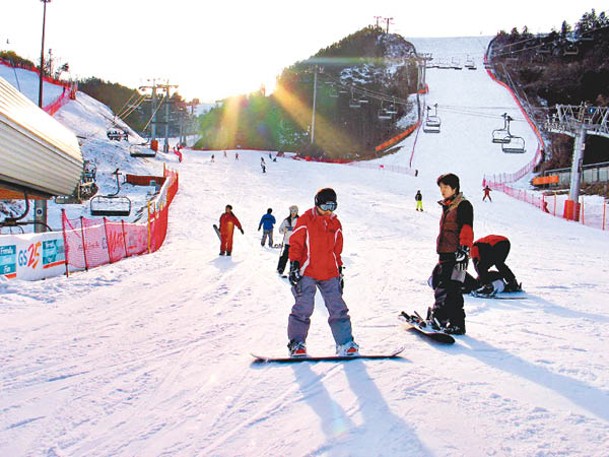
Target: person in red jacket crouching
<point x="316" y="245"/>
<point x="489" y="251"/>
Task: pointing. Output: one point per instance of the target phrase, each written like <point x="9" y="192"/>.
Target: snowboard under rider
<point x="316" y="245"/>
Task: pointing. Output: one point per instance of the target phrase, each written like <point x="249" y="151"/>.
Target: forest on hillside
<point x="338" y="104"/>
<point x="568" y="66"/>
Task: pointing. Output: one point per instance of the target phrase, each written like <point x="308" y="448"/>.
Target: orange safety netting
<point x="90" y="243"/>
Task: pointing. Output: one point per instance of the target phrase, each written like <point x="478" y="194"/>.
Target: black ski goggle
<point x="328" y="206"/>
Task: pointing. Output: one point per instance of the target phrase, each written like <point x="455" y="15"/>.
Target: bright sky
<point x="216" y="49"/>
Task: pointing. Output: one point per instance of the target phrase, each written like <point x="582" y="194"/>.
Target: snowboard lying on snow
<point x="326" y="358"/>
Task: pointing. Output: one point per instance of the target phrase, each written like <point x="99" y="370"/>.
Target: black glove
<point x="242" y="232"/>
<point x="462" y="258"/>
<point x="294" y="276"/>
<point x="258" y="228"/>
<point x="341" y="278"/>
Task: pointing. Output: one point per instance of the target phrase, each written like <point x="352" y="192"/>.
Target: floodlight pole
<point x="40" y="206"/>
<point x="44" y="21"/>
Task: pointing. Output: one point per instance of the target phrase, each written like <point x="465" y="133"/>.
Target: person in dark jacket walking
<point x="453" y="247"/>
<point x="286" y="228"/>
<point x="419" y="199"/>
<point x="267" y="223"/>
<point x="315" y="263"/>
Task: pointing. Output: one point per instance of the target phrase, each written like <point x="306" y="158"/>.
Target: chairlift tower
<point x="167" y="86"/>
<point x="154" y="87"/>
<point x="578" y="121"/>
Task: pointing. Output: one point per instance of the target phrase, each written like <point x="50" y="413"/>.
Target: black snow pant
<point x="494" y="255"/>
<point x="448" y="305"/>
<point x="283" y="259"/>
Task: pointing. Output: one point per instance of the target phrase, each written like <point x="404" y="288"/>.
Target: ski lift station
<point x="39" y="157"/>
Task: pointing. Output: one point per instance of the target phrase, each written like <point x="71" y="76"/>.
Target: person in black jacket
<point x="419" y="199"/>
<point x="453" y="246"/>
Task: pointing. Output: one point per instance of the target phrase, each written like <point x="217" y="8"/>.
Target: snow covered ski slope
<point x="150" y="356"/>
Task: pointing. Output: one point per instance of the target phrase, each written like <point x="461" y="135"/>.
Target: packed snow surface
<point x="151" y="356"/>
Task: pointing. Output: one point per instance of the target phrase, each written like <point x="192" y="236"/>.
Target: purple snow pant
<point x="304" y="293"/>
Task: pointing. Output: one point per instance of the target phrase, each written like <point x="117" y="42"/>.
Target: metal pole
<point x="153" y="130"/>
<point x="576" y="166"/>
<point x="44" y="20"/>
<point x="166" y="146"/>
<point x="40" y="206"/>
<point x="314" y="106"/>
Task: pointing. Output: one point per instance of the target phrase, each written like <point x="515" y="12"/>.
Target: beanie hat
<point x="449" y="179"/>
<point x="294" y="209"/>
<point x="324" y="196"/>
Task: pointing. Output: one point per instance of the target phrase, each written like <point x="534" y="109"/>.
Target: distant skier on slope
<point x="487" y="194"/>
<point x="419" y="199"/>
<point x="286" y="228"/>
<point x="267" y="223"/>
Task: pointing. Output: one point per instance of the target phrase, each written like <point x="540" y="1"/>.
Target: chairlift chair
<point x="105" y="205"/>
<point x="137" y="150"/>
<point x="501" y="136"/>
<point x="432" y="121"/>
<point x="571" y="50"/>
<point x="392" y="109"/>
<point x="111" y="204"/>
<point x="383" y="114"/>
<point x="430" y="127"/>
<point x="516" y="145"/>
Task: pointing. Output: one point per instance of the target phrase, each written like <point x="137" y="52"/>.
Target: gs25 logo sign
<point x="30" y="257"/>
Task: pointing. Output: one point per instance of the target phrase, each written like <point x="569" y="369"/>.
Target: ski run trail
<point x="151" y="356"/>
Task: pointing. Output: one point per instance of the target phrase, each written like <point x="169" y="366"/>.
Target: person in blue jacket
<point x="267" y="223"/>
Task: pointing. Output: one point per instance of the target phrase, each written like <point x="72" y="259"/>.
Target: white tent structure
<point x="37" y="153"/>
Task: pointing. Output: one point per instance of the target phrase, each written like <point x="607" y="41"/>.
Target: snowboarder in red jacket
<point x="228" y="221"/>
<point x="316" y="245"/>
